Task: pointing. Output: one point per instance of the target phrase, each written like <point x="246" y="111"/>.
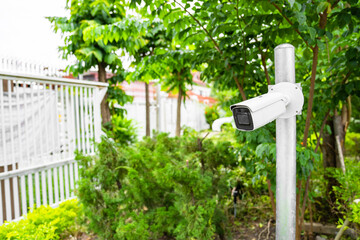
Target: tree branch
<point x="244" y="73"/>
<point x="244" y="42"/>
<point x="311" y="94"/>
<point x="272" y="199"/>
<point x="205" y="30"/>
<point x="237" y="15"/>
<point x="322" y="130"/>
<point x="290" y="22"/>
<point x="346" y="77"/>
<point x="263" y="60"/>
<point x="348" y="101"/>
<point x="334" y="4"/>
<point x="241" y="89"/>
<point x="304" y="201"/>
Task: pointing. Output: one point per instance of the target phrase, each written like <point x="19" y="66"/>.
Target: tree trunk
<point x="272" y="199"/>
<point x="340" y="123"/>
<point x="330" y="148"/>
<point x="105" y="110"/>
<point x="329" y="158"/>
<point x="178" y="113"/>
<point x="147" y="109"/>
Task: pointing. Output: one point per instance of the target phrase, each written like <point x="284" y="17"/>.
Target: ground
<point x="254" y="230"/>
<point x="241" y="231"/>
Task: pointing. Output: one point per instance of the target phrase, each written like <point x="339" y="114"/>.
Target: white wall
<point x="192" y="115"/>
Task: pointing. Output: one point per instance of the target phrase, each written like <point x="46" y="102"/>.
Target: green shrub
<point x="352" y="143"/>
<point x="211" y="114"/>
<point x="44" y="223"/>
<point x="348" y="191"/>
<point x="121" y="130"/>
<point x="161" y="187"/>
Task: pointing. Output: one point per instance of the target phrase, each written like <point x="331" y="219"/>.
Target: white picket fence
<point x="42" y="121"/>
<point x="14" y="65"/>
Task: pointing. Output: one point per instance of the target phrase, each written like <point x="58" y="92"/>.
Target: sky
<point x="26" y="34"/>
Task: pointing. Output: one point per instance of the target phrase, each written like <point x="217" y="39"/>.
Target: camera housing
<point x="283" y="100"/>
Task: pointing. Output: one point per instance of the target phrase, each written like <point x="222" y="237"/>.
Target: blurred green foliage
<point x="211" y="114"/>
<point x="45" y="223"/>
<point x="121" y="130"/>
<point x="352" y="145"/>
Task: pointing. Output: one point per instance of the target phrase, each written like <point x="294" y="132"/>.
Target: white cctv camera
<point x="283" y="100"/>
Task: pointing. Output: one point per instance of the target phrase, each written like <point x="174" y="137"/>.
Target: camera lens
<point x="242" y="117"/>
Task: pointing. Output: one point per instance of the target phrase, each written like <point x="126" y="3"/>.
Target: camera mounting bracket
<point x="294" y="97"/>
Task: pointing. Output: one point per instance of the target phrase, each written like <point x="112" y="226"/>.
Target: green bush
<point x="352" y="143"/>
<point x="211" y="114"/>
<point x="159" y="188"/>
<point x="44" y="223"/>
<point x="348" y="191"/>
<point x="121" y="130"/>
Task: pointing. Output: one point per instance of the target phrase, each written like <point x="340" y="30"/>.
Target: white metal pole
<point x="285" y="151"/>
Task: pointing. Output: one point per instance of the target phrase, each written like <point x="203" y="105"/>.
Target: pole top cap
<point x="284" y="45"/>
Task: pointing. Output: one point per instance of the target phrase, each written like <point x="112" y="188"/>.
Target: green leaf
<point x="312" y="32"/>
<point x="110" y="58"/>
<point x="291" y="2"/>
<point x="328" y="129"/>
<point x="97" y="53"/>
<point x="297" y="6"/>
<point x="321" y="45"/>
<point x="307" y="53"/>
<point x="301" y="18"/>
<point x="349" y="88"/>
<point x="329" y="35"/>
<point x="261" y="150"/>
<point x="322" y="6"/>
<point x="306" y="155"/>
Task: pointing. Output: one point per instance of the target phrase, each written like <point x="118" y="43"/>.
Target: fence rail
<point x="42" y="121"/>
<point x="14" y="65"/>
<point x="43" y="185"/>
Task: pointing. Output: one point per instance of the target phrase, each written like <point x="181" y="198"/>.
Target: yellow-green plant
<point x="44" y="223"/>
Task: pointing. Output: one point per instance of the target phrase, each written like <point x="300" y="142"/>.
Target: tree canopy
<point x="98" y="33"/>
